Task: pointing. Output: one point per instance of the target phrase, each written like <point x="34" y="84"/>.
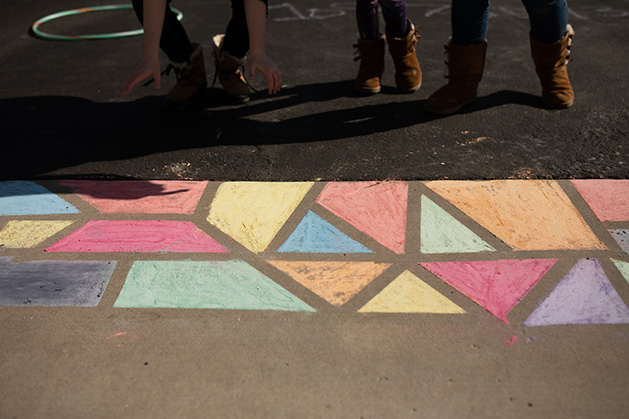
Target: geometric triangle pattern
<point x="209" y="284"/>
<point x="315" y="235"/>
<point x="335" y="282"/>
<point x="253" y="212"/>
<point x="409" y="294"/>
<point x="496" y="285"/>
<point x="376" y="209"/>
<point x="583" y="296"/>
<point x="531" y="215"/>
<point x="229" y="245"/>
<point x="442" y="233"/>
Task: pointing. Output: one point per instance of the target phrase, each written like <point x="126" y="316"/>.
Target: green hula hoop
<point x="50" y="36"/>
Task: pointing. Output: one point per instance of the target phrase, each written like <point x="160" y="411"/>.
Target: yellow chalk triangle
<point x="409" y="294"/>
<point x="253" y="212"/>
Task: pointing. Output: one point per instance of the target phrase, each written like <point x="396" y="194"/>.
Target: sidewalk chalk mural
<point x="444" y="248"/>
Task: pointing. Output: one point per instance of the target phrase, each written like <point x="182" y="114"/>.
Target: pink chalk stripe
<point x="142" y="236"/>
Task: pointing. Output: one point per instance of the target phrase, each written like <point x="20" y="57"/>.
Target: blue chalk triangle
<point x="315" y="235"/>
<point x="583" y="296"/>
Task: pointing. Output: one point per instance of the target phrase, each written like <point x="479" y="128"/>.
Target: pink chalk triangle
<point x="376" y="209"/>
<point x="608" y="198"/>
<point x="142" y="236"/>
<point x="497" y="285"/>
<point x="139" y="196"/>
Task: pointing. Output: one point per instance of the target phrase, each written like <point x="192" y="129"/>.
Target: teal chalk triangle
<point x="315" y="235"/>
<point x="230" y="284"/>
<point x="442" y="233"/>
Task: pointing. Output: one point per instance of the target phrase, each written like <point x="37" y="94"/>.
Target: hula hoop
<point x="56" y="37"/>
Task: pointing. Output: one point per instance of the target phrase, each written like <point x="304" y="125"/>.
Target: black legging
<point x="176" y="44"/>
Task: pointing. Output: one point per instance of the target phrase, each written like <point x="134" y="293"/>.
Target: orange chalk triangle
<point x="336" y="282"/>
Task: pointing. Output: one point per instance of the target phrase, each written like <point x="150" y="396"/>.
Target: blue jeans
<point x="393" y="12"/>
<point x="548" y="20"/>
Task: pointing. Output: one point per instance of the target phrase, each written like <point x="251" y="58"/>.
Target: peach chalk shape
<point x="496" y="285"/>
<point x="525" y="214"/>
<point x="139" y="197"/>
<point x="608" y="198"/>
<point x="253" y="212"/>
<point x="22" y="234"/>
<point x="336" y="282"/>
<point x="143" y="236"/>
<point x="409" y="294"/>
<point x="376" y="209"/>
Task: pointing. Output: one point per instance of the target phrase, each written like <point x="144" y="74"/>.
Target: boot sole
<point x="182" y="105"/>
<point x="448" y="111"/>
<point x="367" y="91"/>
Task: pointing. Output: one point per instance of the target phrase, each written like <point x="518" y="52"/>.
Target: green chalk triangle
<point x="230" y="284"/>
<point x="442" y="233"/>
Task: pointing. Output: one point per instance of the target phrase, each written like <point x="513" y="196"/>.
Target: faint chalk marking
<point x="310" y="14"/>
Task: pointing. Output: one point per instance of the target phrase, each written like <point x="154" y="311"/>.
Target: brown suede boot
<point x="408" y="74"/>
<point x="191" y="80"/>
<point x="371" y="56"/>
<point x="229" y="74"/>
<point x="465" y="65"/>
<point x="551" y="66"/>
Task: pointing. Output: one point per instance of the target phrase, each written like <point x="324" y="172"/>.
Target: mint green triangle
<point x="442" y="233"/>
<point x="623" y="267"/>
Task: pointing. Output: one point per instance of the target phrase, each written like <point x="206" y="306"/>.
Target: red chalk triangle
<point x="376" y="209"/>
<point x="497" y="285"/>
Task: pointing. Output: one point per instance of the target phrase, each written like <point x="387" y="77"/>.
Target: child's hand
<point x="260" y="63"/>
<point x="144" y="70"/>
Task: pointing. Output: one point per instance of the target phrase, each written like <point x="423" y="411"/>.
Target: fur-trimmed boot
<point x="371" y="57"/>
<point x="229" y="73"/>
<point x="408" y="74"/>
<point x="465" y="65"/>
<point x="191" y="79"/>
<point x="551" y="66"/>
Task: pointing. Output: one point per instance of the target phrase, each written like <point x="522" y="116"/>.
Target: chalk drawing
<point x="497" y="285"/>
<point x="315" y="235"/>
<point x="375" y="208"/>
<point x="29" y="198"/>
<point x="526" y="215"/>
<point x="409" y="294"/>
<point x="336" y="282"/>
<point x="583" y="296"/>
<point x="252" y="213"/>
<point x="442" y="233"/>
<point x="308" y="14"/>
<point x="290" y="12"/>
<point x="230" y="284"/>
<point x="139" y="197"/>
<point x="623" y="268"/>
<point x="608" y="198"/>
<point x="142" y="236"/>
<point x="22" y="234"/>
<point x="53" y="283"/>
<point x="622" y="238"/>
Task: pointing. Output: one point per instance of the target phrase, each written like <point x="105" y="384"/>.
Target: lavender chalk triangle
<point x="29" y="198"/>
<point x="583" y="296"/>
<point x="315" y="235"/>
<point x="622" y="238"/>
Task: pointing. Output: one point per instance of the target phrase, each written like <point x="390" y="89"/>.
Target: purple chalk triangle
<point x="583" y="296"/>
